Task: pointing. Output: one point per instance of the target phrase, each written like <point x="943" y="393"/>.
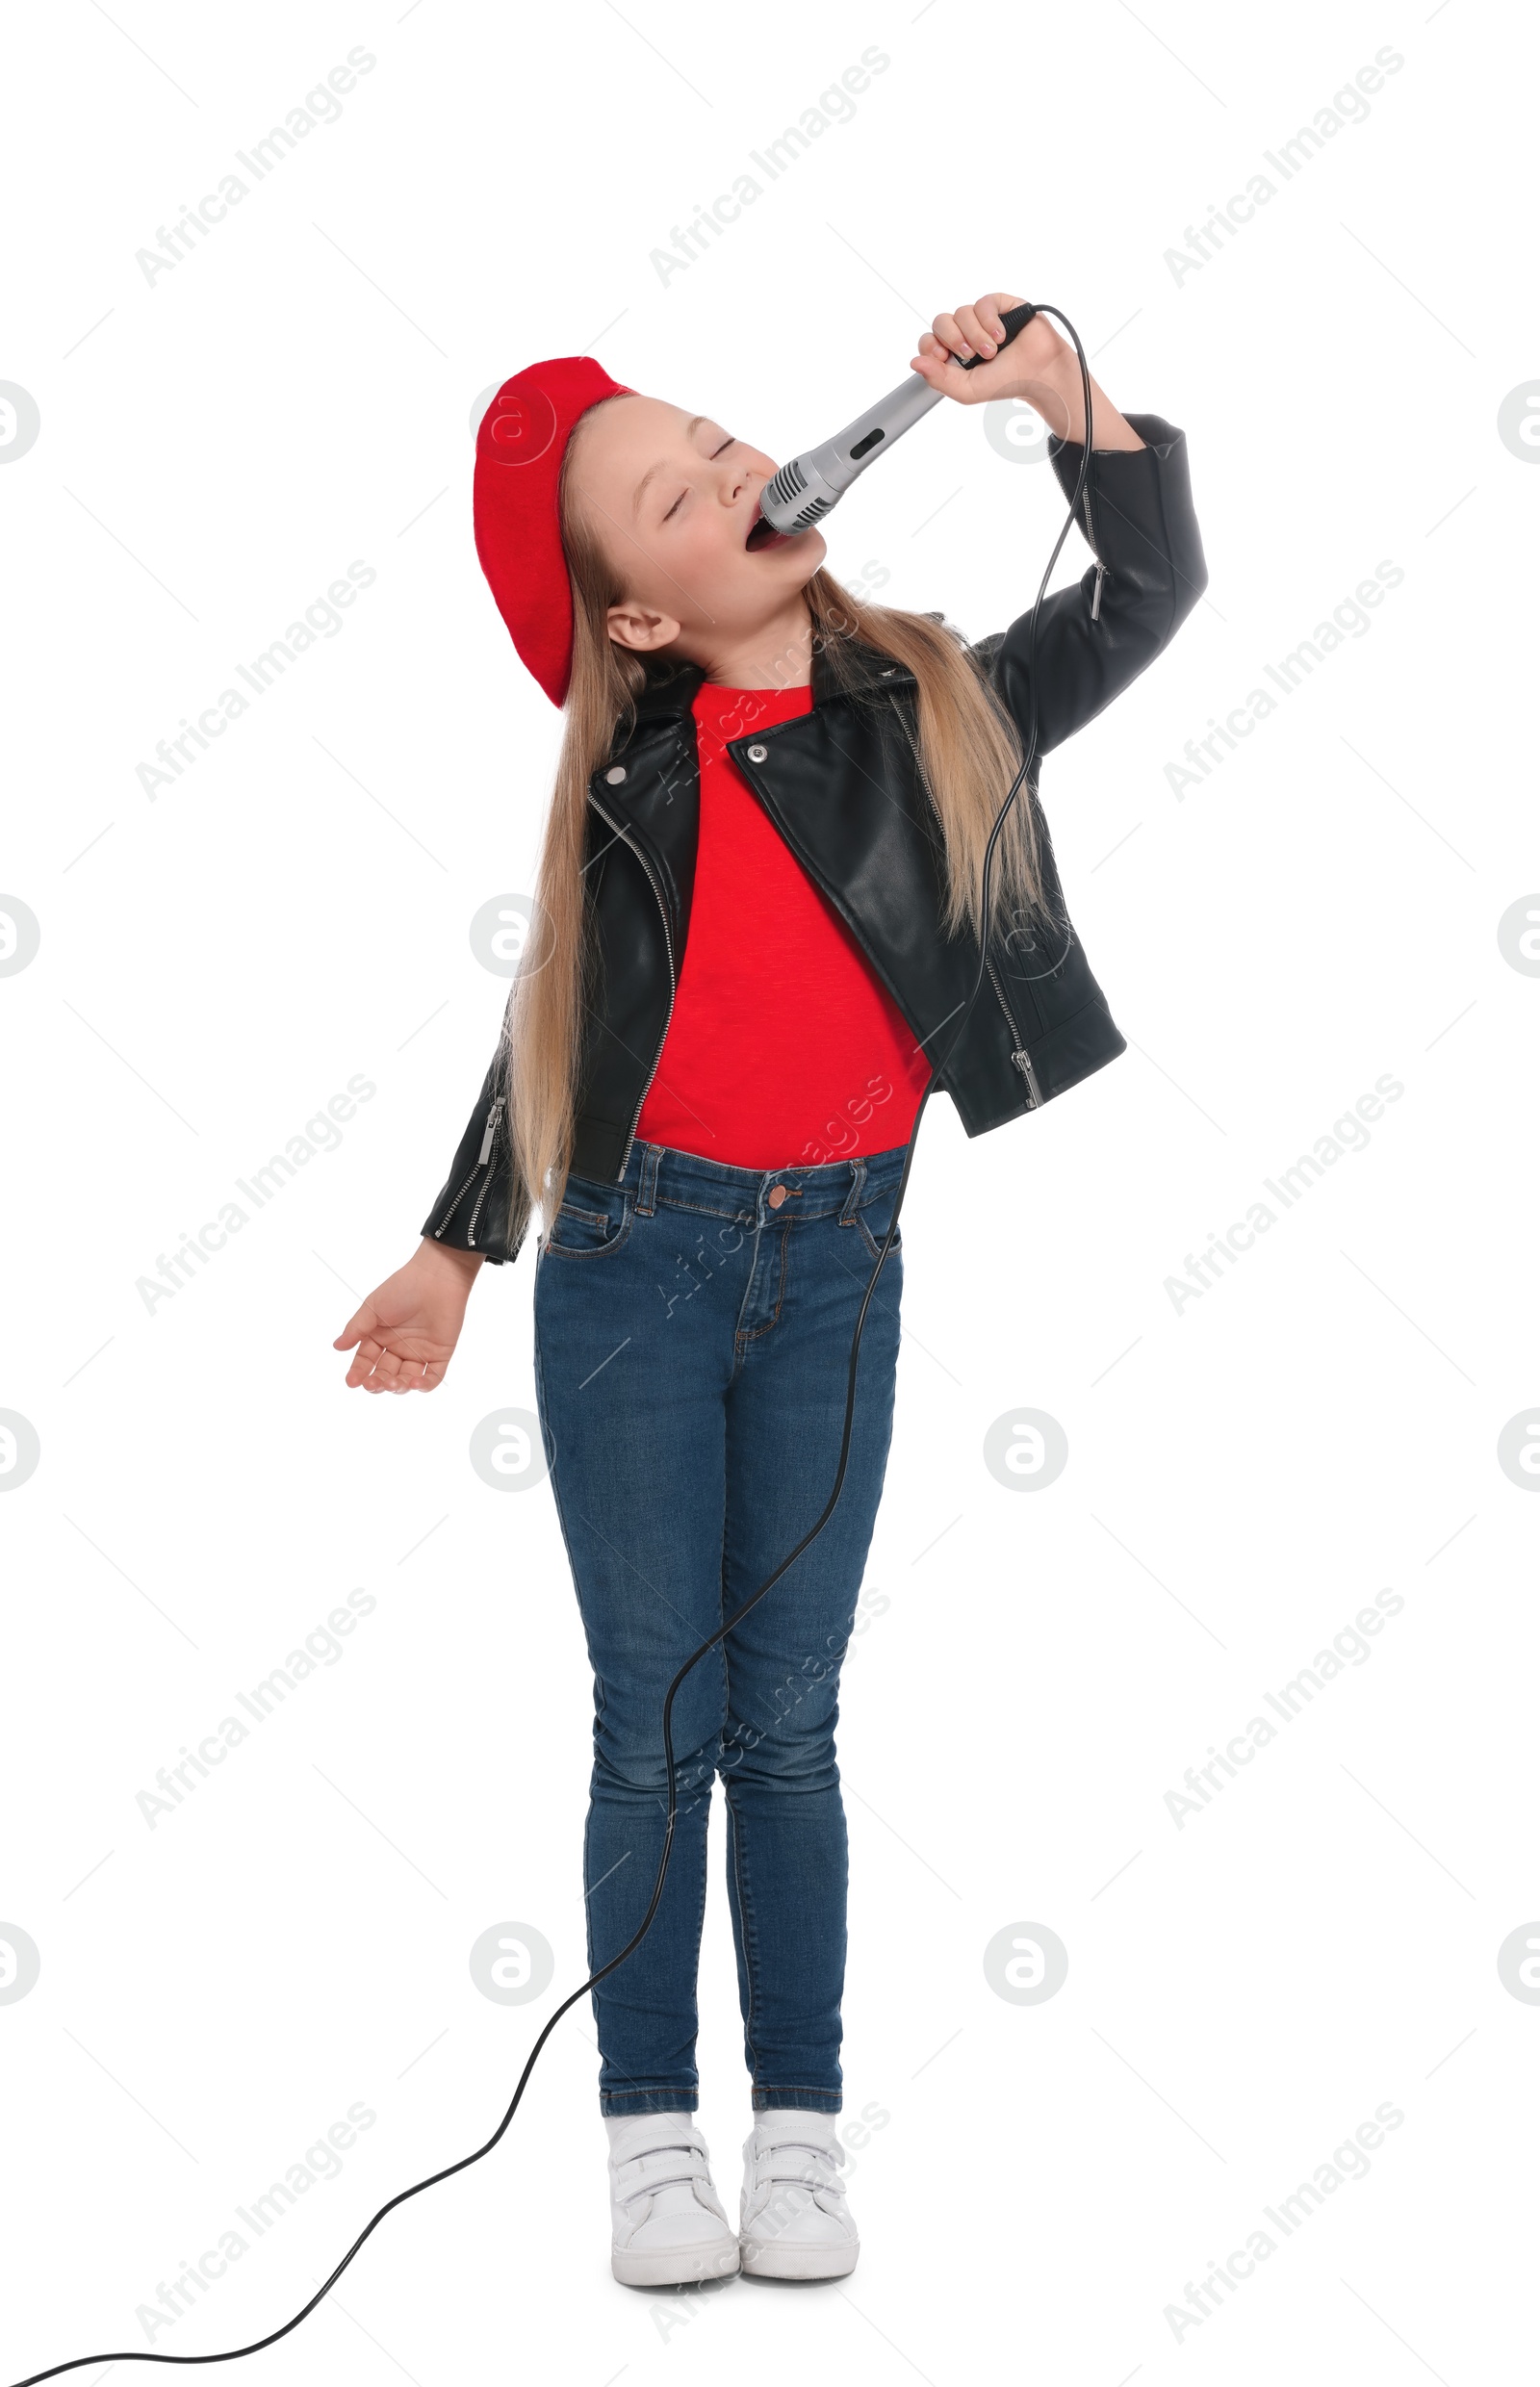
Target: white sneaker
<point x="794" y="2223"/>
<point x="669" y="2227"/>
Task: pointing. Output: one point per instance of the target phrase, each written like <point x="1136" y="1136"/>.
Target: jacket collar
<point x="671" y="688"/>
<point x="652" y="777"/>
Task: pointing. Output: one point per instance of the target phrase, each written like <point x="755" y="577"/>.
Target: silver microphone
<point x="808" y="488"/>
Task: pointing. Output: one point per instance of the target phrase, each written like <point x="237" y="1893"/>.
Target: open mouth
<point x="764" y="534"/>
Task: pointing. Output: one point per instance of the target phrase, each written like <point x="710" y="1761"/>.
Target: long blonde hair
<point x="968" y="752"/>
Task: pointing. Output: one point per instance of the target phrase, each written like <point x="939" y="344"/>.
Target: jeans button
<point x="776" y="1196"/>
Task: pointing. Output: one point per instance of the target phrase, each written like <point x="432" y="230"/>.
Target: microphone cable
<point x="237" y="2353"/>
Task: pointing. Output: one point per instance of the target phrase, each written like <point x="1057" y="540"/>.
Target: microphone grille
<point x="788" y="483"/>
<point x="779" y="499"/>
<point x="782" y="493"/>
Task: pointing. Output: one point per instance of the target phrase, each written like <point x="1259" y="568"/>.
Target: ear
<point x="639" y="627"/>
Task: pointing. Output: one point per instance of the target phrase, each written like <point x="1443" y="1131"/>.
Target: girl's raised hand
<point x="407" y="1329"/>
<point x="1032" y="357"/>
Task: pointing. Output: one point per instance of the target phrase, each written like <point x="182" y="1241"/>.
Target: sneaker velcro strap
<point x="661" y="2167"/>
<point x="770" y="2141"/>
<point x="832" y="2153"/>
<point x="804" y="2173"/>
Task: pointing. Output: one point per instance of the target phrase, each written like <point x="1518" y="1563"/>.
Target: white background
<point x="1245" y="1474"/>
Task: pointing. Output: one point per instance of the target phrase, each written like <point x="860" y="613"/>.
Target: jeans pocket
<point x="875" y="1216"/>
<point x="578" y="1232"/>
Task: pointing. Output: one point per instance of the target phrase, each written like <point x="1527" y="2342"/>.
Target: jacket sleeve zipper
<point x="484" y="1155"/>
<point x="673" y="980"/>
<point x="452" y="1207"/>
<point x="1101" y="568"/>
<point x="1022" y="1057"/>
<point x="487" y="1141"/>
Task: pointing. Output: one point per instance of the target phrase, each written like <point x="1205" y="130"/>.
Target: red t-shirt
<point x="783" y="1049"/>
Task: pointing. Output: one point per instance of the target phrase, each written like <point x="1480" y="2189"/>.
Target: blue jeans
<point x="692" y="1343"/>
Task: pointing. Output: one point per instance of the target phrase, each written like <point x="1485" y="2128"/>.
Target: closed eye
<point x="728" y="443"/>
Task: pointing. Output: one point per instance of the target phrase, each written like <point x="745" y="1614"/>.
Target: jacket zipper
<point x="452" y="1208"/>
<point x="487" y="1140"/>
<point x="673" y="980"/>
<point x="1020" y="1056"/>
<point x="485" y="1154"/>
<point x="1101" y="569"/>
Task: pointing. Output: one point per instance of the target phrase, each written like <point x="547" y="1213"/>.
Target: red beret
<point x="518" y="449"/>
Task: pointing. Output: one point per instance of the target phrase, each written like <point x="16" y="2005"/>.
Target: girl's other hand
<point x="408" y="1327"/>
<point x="1035" y="354"/>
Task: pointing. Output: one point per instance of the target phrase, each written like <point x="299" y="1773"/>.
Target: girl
<point x="757" y="916"/>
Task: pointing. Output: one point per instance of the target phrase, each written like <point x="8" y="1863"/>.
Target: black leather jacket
<point x="841" y="785"/>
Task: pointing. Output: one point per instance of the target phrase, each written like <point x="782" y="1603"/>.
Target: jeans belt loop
<point x="857" y="1181"/>
<point x="647" y="1188"/>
